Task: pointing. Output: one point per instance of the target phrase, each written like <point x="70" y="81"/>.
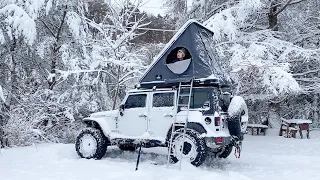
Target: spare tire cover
<point x="238" y="107"/>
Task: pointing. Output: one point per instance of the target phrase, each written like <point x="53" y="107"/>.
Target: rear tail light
<point x="219" y="139"/>
<point x="217" y="121"/>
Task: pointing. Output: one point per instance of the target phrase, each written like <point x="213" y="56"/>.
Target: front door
<point x="134" y="121"/>
<point x="162" y="112"/>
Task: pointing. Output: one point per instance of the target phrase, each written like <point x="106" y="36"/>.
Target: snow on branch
<point x="74" y="22"/>
<point x="34" y="6"/>
<point x="279" y="81"/>
<point x="229" y="21"/>
<point x="111" y="56"/>
<point x="18" y="23"/>
<point x="2" y="95"/>
<point x="2" y="39"/>
<point x="259" y="61"/>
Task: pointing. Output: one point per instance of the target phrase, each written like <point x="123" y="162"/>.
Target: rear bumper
<point x="214" y="142"/>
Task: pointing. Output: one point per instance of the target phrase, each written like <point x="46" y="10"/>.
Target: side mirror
<point x="121" y="107"/>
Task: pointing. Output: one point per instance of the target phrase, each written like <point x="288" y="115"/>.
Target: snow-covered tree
<point x="112" y="58"/>
<point x="260" y="61"/>
<point x="66" y="28"/>
<point x="16" y="29"/>
<point x="23" y="56"/>
<point x="257" y="59"/>
<point x="177" y="11"/>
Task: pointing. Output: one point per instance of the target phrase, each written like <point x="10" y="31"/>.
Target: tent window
<point x="178" y="60"/>
<point x="175" y="55"/>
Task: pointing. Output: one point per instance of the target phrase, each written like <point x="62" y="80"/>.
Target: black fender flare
<point x="191" y="125"/>
<point x="93" y="124"/>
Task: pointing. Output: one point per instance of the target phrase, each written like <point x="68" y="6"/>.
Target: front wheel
<point x="194" y="147"/>
<point x="91" y="143"/>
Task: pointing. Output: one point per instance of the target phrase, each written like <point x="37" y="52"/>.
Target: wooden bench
<point x="290" y="127"/>
<point x="292" y="132"/>
<point x="258" y="127"/>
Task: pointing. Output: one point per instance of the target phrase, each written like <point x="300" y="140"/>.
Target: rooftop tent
<point x="200" y="58"/>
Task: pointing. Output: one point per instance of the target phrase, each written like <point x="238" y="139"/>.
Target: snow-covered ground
<point x="263" y="158"/>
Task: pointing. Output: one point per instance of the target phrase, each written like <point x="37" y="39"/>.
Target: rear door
<point x="134" y="121"/>
<point x="162" y="112"/>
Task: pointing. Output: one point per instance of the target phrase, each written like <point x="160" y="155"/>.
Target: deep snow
<point x="263" y="158"/>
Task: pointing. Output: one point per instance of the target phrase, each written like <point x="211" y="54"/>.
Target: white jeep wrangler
<point x="216" y="122"/>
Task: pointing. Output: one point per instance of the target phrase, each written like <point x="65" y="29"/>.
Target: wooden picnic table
<point x="258" y="127"/>
<point x="292" y="125"/>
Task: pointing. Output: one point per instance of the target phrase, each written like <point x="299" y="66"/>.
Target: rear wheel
<point x="91" y="143"/>
<point x="194" y="150"/>
<point x="225" y="152"/>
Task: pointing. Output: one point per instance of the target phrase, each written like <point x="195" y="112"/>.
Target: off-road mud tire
<point x="191" y="125"/>
<point x="98" y="140"/>
<point x="199" y="145"/>
<point x="226" y="152"/>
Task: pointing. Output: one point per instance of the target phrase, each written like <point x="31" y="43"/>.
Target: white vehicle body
<point x="148" y="115"/>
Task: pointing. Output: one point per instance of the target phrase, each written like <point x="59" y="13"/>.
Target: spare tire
<point x="224" y="101"/>
<point x="238" y="117"/>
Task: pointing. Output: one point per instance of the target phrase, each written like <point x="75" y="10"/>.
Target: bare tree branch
<point x="289" y="2"/>
<point x="61" y="24"/>
<point x="50" y="30"/>
<point x="283" y="7"/>
<point x="305" y="73"/>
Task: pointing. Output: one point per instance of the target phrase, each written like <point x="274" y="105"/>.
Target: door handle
<point x="168" y="115"/>
<point x="142" y="115"/>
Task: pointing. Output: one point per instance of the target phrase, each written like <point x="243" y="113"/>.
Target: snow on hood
<point x="112" y="113"/>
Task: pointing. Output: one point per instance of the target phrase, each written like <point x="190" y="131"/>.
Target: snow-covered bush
<point x="41" y="117"/>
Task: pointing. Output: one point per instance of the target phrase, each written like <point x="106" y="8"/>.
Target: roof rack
<point x="172" y="83"/>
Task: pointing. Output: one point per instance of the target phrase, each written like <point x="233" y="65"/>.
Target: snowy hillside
<point x="264" y="158"/>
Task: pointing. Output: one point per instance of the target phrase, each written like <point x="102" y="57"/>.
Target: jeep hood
<point x="112" y="113"/>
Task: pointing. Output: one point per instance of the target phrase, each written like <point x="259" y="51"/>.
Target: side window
<point x="136" y="101"/>
<point x="163" y="100"/>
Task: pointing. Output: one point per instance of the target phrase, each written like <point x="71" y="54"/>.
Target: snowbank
<point x="263" y="158"/>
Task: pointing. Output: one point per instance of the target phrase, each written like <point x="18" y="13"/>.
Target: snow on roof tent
<point x="200" y="60"/>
